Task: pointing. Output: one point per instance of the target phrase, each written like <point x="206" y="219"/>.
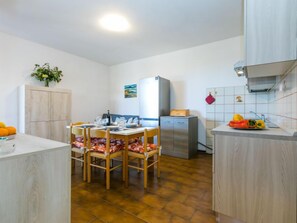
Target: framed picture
<point x="131" y="91"/>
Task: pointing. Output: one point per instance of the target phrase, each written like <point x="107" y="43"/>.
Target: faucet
<point x="262" y="117"/>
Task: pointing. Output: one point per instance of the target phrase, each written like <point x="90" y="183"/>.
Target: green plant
<point x="46" y="74"/>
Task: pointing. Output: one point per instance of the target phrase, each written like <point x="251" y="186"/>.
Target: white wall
<point x="190" y="71"/>
<point x="88" y="80"/>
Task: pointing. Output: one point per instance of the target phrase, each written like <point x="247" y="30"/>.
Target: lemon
<point x="237" y="117"/>
<point x="2" y="125"/>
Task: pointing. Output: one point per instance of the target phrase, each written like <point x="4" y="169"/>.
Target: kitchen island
<point x="35" y="181"/>
<point x="255" y="175"/>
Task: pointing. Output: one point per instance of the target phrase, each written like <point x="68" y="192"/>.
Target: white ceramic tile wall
<point x="283" y="102"/>
<point x="231" y="100"/>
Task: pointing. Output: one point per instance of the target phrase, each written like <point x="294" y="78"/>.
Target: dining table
<point x="124" y="134"/>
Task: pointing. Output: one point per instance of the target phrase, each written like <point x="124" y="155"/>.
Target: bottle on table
<point x="108" y="118"/>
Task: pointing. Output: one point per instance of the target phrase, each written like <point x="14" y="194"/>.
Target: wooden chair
<point x="102" y="150"/>
<point x="78" y="142"/>
<point x="144" y="151"/>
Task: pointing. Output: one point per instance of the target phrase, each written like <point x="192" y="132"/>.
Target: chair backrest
<point x="151" y="133"/>
<point x="99" y="133"/>
<point x="75" y="130"/>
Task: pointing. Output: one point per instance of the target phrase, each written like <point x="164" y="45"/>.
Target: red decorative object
<point x="210" y="99"/>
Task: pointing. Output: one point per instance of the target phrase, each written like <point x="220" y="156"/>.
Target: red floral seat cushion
<point x="138" y="147"/>
<point x="99" y="145"/>
<point x="79" y="142"/>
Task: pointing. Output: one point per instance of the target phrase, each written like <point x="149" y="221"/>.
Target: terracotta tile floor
<point x="182" y="194"/>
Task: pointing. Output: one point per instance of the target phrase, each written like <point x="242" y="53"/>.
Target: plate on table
<point x="111" y="127"/>
<point x="87" y="125"/>
<point x="131" y="125"/>
<point x="248" y="128"/>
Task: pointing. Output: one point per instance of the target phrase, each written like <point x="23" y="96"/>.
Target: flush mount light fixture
<point x="114" y="22"/>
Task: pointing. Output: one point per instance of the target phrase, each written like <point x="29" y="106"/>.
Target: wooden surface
<point x="35" y="186"/>
<point x="270" y="31"/>
<point x="179" y="136"/>
<point x="45" y="112"/>
<point x="255" y="179"/>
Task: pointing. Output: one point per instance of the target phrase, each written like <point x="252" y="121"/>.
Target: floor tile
<point x="182" y="194"/>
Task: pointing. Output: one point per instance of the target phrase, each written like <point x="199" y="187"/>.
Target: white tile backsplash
<point x="210" y="108"/>
<point x="261" y="108"/>
<point x="229" y="91"/>
<point x="239" y="108"/>
<point x="219" y="108"/>
<point x="283" y="102"/>
<point x="250" y="99"/>
<point x="239" y="90"/>
<point x="219" y="117"/>
<point x="219" y="100"/>
<point x="261" y="98"/>
<point x="220" y="91"/>
<point x="229" y="99"/>
<point x="229" y="108"/>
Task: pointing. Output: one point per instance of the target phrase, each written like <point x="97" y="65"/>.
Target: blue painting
<point x="131" y="91"/>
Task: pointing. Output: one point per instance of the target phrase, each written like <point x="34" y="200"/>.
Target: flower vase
<point x="46" y="83"/>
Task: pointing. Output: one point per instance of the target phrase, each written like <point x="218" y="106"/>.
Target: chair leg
<point x="139" y="164"/>
<point x="123" y="165"/>
<point x="107" y="165"/>
<point x="85" y="167"/>
<point x="89" y="167"/>
<point x="158" y="166"/>
<point x="73" y="161"/>
<point x="145" y="173"/>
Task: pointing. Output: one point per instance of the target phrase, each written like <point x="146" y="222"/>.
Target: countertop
<point x="268" y="133"/>
<point x="27" y="144"/>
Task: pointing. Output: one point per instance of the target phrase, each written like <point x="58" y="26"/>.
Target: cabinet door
<point x="60" y="106"/>
<point x="181" y="136"/>
<point x="40" y="129"/>
<point x="255" y="179"/>
<point x="58" y="131"/>
<point x="167" y="135"/>
<point x="270" y="31"/>
<point x="37" y="106"/>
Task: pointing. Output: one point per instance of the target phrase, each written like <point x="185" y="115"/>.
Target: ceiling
<point x="157" y="26"/>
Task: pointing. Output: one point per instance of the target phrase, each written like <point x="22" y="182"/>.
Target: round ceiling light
<point x="114" y="22"/>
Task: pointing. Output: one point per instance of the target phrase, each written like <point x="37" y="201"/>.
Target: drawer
<point x="181" y="124"/>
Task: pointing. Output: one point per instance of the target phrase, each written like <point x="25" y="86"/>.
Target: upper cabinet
<point x="270" y="36"/>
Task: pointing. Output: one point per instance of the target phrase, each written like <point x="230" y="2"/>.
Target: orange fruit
<point x="11" y="130"/>
<point x="3" y="132"/>
<point x="2" y="125"/>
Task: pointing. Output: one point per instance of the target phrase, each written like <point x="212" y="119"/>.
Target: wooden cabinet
<point x="270" y="31"/>
<point x="270" y="40"/>
<point x="255" y="179"/>
<point x="179" y="136"/>
<point x="44" y="112"/>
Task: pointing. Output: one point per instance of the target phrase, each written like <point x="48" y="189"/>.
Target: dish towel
<point x="210" y="99"/>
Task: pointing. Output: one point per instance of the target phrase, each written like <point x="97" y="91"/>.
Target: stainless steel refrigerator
<point x="154" y="100"/>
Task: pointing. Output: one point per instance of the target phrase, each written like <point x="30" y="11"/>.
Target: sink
<point x="271" y="125"/>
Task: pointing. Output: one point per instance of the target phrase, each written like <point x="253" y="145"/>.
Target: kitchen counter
<point x="254" y="175"/>
<point x="268" y="133"/>
<point x="35" y="181"/>
<point x="27" y="144"/>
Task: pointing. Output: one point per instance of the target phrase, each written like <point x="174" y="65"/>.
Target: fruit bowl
<point x="6" y="146"/>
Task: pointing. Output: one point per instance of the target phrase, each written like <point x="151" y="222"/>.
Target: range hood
<point x="262" y="77"/>
<point x="260" y="84"/>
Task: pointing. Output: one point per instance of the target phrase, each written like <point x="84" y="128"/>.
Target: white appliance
<point x="154" y="100"/>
